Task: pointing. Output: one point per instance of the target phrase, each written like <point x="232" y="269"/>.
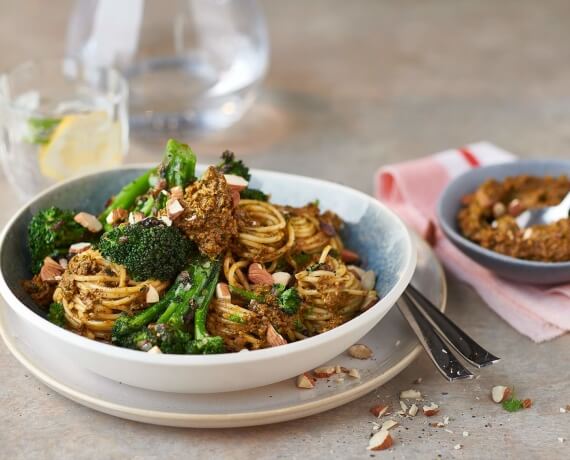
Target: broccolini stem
<point x="127" y="196"/>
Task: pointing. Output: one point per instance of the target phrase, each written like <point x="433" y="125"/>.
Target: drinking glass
<point x="59" y="119"/>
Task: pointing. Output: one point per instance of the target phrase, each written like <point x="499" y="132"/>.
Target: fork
<point x="440" y="337"/>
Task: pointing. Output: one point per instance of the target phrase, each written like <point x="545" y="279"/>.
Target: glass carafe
<point x="190" y="64"/>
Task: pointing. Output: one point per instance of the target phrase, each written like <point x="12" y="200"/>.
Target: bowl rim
<point x="266" y="354"/>
<point x="461" y="240"/>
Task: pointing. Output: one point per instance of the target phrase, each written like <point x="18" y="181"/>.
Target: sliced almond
<point x="79" y="247"/>
<point x="431" y="410"/>
<point x="404" y="406"/>
<point x="274" y="339"/>
<point x="323" y="372"/>
<point x="223" y="292"/>
<point x="167" y="220"/>
<point x="388" y="425"/>
<point x="380" y="441"/>
<point x="305" y="381"/>
<point x="413" y="411"/>
<point x="116" y="216"/>
<point x="410" y="394"/>
<point x="88" y="221"/>
<point x="500" y="393"/>
<point x="155" y="350"/>
<point x="527" y="403"/>
<point x="174" y="209"/>
<point x="360" y="351"/>
<point x="50" y="270"/>
<point x="152" y="295"/>
<point x="368" y="280"/>
<point x="236" y="182"/>
<point x="258" y="275"/>
<point x="281" y="278"/>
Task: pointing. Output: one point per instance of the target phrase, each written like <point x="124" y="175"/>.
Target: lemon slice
<point x="81" y="143"/>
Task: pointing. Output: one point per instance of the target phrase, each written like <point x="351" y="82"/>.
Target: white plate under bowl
<point x="392" y="341"/>
<point x="371" y="229"/>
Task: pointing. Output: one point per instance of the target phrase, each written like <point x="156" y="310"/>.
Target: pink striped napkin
<point x="412" y="189"/>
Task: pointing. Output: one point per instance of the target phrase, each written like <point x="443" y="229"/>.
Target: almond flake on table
<point x="410" y="394"/>
<point x="560" y="440"/>
<point x="389" y="424"/>
<point x="465" y="434"/>
<point x="457" y="446"/>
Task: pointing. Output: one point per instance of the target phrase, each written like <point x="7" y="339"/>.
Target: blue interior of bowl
<point x="380" y="239"/>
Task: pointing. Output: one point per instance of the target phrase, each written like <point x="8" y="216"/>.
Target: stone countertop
<point x="354" y="85"/>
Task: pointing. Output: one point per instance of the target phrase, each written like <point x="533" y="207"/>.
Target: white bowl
<point x="372" y="230"/>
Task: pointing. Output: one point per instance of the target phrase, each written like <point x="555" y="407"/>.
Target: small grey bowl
<point x="514" y="269"/>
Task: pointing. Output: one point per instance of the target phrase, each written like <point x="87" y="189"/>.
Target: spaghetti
<point x="94" y="292"/>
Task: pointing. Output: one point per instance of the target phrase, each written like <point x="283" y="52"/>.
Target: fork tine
<point x="457" y="338"/>
<point x="443" y="358"/>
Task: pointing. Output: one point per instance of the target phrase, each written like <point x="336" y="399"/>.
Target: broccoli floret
<point x="148" y="249"/>
<point x="177" y="169"/>
<point x="178" y="165"/>
<point x="229" y="165"/>
<point x="56" y="314"/>
<point x="289" y="301"/>
<point x="50" y="233"/>
<point x="253" y="194"/>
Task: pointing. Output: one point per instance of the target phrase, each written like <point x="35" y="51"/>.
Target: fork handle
<point x="457" y="338"/>
<point x="443" y="358"/>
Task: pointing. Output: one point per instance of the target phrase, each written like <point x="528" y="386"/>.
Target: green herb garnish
<point x="235" y="318"/>
<point x="513" y="405"/>
<point x="41" y="129"/>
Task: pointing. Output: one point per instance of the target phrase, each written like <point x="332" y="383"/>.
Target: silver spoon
<point x="548" y="215"/>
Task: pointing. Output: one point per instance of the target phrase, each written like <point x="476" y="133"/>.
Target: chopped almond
<point x="431" y="410"/>
<point x="79" y="247"/>
<point x="410" y="394"/>
<point x="116" y="216"/>
<point x="88" y="221"/>
<point x="360" y="351"/>
<point x="236" y="182"/>
<point x="152" y="295"/>
<point x="174" y="209"/>
<point x="324" y="372"/>
<point x="281" y="278"/>
<point x="349" y="257"/>
<point x="527" y="403"/>
<point x="380" y="441"/>
<point x="50" y="270"/>
<point x="223" y="292"/>
<point x="388" y="425"/>
<point x="274" y="339"/>
<point x="258" y="275"/>
<point x="354" y="373"/>
<point x="413" y="410"/>
<point x="500" y="393"/>
<point x="305" y="381"/>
